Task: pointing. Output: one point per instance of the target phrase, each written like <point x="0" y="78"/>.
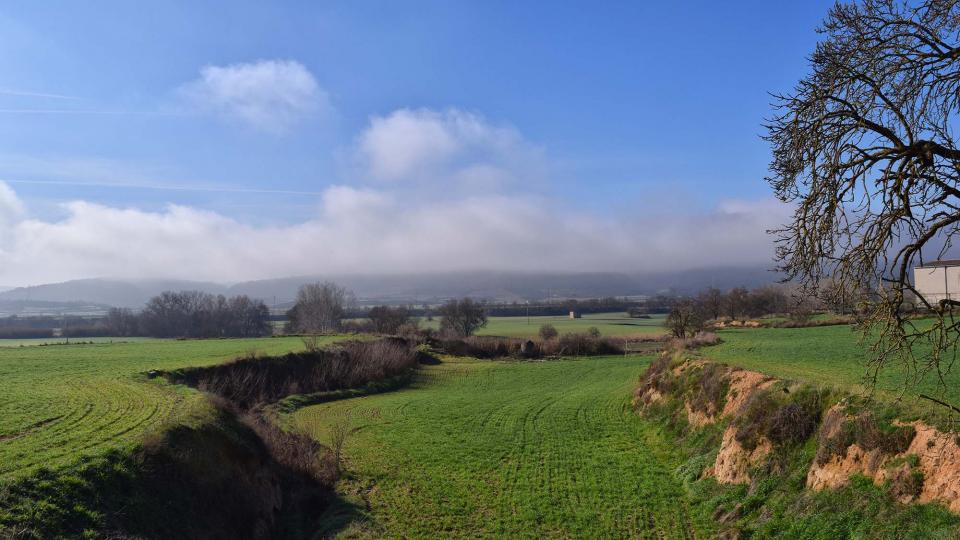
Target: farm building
<point x="938" y="280"/>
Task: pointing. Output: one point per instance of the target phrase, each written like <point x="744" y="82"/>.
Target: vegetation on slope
<point x="227" y="467"/>
<point x="210" y="477"/>
<point x="62" y="402"/>
<point x="748" y="454"/>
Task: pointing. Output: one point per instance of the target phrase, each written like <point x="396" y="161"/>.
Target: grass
<point x="62" y="402"/>
<point x="4" y="343"/>
<point x="498" y="449"/>
<point x="829" y="355"/>
<point x="609" y="324"/>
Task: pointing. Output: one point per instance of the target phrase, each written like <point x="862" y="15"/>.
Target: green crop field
<point x="59" y="402"/>
<point x="830" y="355"/>
<point x="69" y="341"/>
<point x="609" y="324"/>
<point x="505" y="449"/>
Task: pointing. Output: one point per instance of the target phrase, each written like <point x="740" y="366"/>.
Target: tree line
<point x="687" y="316"/>
<point x="322" y="308"/>
<point x="192" y="314"/>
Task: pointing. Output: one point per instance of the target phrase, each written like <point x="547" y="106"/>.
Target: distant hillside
<point x="407" y="288"/>
<point x="111" y="292"/>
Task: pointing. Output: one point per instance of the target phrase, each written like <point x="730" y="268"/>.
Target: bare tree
<point x="122" y="322"/>
<point x="462" y="317"/>
<point x="737" y="302"/>
<point x="319" y="308"/>
<point x="712" y="301"/>
<point x="339" y="431"/>
<point x="864" y="149"/>
<point x="387" y="320"/>
<point x="197" y="314"/>
<point x="685" y="319"/>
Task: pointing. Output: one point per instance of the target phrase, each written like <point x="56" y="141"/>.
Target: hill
<point x="407" y="288"/>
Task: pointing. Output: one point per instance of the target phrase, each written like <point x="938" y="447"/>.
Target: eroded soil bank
<point x="778" y="442"/>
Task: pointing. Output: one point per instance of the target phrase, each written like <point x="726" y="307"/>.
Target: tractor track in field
<point x="547" y="450"/>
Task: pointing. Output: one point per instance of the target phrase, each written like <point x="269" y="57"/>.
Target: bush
<point x="576" y="344"/>
<point x="250" y="381"/>
<point x="866" y="430"/>
<point x="548" y="332"/>
<point x="709" y="388"/>
<point x="784" y="418"/>
<point x="482" y="346"/>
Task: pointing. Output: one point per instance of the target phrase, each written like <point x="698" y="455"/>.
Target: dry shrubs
<point x="707" y="388"/>
<point x="576" y="344"/>
<point x="297" y="452"/>
<point x="701" y="339"/>
<point x="570" y="344"/>
<point x="658" y="380"/>
<point x="810" y="323"/>
<point x="864" y="429"/>
<point x="339" y="431"/>
<point x="783" y="417"/>
<point x="250" y="381"/>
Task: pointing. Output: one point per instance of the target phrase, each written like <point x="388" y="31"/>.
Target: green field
<point x="60" y="402"/>
<point x="508" y="450"/>
<point x="609" y="324"/>
<point x="830" y="355"/>
<point x="471" y="448"/>
<point x="68" y="341"/>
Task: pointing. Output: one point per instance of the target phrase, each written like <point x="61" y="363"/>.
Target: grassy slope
<point x="60" y="402"/>
<point x="609" y="324"/>
<point x="506" y="450"/>
<point x="828" y="355"/>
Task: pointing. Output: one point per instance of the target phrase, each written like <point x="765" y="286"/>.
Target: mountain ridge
<point x="407" y="288"/>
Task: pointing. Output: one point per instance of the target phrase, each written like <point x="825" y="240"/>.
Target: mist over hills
<point x="402" y="288"/>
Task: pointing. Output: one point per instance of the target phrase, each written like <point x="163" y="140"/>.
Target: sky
<point x="248" y="140"/>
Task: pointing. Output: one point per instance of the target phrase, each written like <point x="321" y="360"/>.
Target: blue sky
<point x="598" y="113"/>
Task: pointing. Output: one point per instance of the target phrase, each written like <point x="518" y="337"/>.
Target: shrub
<point x="248" y="382"/>
<point x="593" y="332"/>
<point x="576" y="344"/>
<point x="482" y="346"/>
<point x="297" y="452"/>
<point x="865" y="430"/>
<point x="784" y="418"/>
<point x="709" y="388"/>
<point x="548" y="332"/>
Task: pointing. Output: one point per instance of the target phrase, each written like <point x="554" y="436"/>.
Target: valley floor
<point x="506" y="449"/>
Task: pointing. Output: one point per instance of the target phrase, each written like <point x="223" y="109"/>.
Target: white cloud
<point x="370" y="231"/>
<point x="452" y="147"/>
<point x="269" y="95"/>
<point x="452" y="191"/>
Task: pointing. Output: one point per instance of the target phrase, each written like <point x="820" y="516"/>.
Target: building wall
<point x="938" y="283"/>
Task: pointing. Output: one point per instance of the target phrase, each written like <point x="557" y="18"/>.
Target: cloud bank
<point x="435" y="191"/>
<point x="268" y="95"/>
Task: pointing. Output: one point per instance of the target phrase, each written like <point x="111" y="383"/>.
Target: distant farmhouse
<point x="938" y="280"/>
